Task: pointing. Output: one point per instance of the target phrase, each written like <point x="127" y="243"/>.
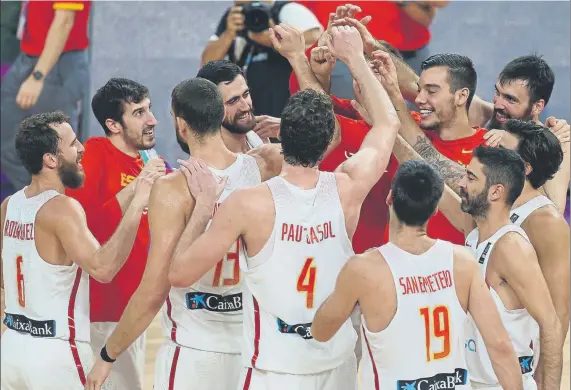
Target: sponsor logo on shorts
<point x="526" y="364"/>
<point x="304" y="330"/>
<point x="437" y="382"/>
<point x="213" y="302"/>
<point x="35" y="328"/>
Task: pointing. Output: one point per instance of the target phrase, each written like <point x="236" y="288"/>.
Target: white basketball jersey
<point x="293" y="274"/>
<point x="520" y="214"/>
<point x="208" y="315"/>
<point x="517" y="217"/>
<point x="42" y="299"/>
<point x="521" y="327"/>
<point x="423" y="346"/>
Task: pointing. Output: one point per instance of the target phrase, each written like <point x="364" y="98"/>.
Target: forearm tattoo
<point x="450" y="171"/>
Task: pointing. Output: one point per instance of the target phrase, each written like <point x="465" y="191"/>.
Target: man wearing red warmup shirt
<point x="450" y="134"/>
<point x="112" y="165"/>
<point x="49" y="74"/>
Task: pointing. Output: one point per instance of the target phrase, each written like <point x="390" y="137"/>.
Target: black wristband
<point x="105" y="356"/>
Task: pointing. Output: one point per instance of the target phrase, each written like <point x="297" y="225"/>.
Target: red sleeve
<point x="416" y="116"/>
<point x="103" y="215"/>
<point x="344" y="107"/>
<point x="293" y="83"/>
<point x="353" y="132"/>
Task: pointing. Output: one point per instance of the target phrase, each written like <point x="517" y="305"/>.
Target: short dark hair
<point x="199" y="103"/>
<point x="37" y="137"/>
<point x="502" y="166"/>
<point x="539" y="147"/>
<point x="109" y="100"/>
<point x="534" y="72"/>
<point x="307" y="127"/>
<point x="221" y="71"/>
<point x="416" y="190"/>
<point x="461" y="72"/>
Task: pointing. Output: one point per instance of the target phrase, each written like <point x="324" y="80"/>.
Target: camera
<point x="257" y="16"/>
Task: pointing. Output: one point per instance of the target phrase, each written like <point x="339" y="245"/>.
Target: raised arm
<point x="450" y="202"/>
<point x="415" y="137"/>
<point x="101" y="262"/>
<point x="166" y="223"/>
<point x="483" y="310"/>
<point x="367" y="166"/>
<point x="517" y="264"/>
<point x="290" y="43"/>
<point x="338" y="307"/>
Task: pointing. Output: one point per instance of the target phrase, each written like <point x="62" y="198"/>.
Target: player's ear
<point x="389" y="199"/>
<point x="435" y="211"/>
<point x="113" y="126"/>
<point x="537" y="107"/>
<point x="528" y="169"/>
<point x="50" y="160"/>
<point x="496" y="192"/>
<point x="461" y="96"/>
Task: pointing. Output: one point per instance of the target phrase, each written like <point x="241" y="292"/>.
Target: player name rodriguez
<point x="311" y="234"/>
<point x="426" y="284"/>
<point x="19" y="231"/>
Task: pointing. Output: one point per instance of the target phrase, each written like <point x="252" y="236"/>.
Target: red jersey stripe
<point x="71" y="324"/>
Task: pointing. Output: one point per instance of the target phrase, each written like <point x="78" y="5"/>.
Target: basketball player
<point x="296" y="230"/>
<point x="112" y="164"/>
<point x="414" y="293"/>
<point x="46" y="247"/>
<point x="239" y="121"/>
<point x="494" y="180"/>
<point x="522" y="92"/>
<point x="201" y="323"/>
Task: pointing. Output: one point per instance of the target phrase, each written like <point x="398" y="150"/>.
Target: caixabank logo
<point x="23" y="324"/>
<point x="213" y="302"/>
<point x="437" y="382"/>
<point x="304" y="330"/>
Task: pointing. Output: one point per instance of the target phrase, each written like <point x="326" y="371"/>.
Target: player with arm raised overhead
<point x="296" y="230"/>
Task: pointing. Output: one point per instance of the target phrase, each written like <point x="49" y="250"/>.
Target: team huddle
<point x="251" y="245"/>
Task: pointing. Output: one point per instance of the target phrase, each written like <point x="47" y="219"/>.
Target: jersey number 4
<point x="20" y="281"/>
<point x="436" y="324"/>
<point x="306" y="281"/>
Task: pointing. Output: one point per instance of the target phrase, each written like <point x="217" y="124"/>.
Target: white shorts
<point x="128" y="370"/>
<point x="528" y="384"/>
<point x="182" y="368"/>
<point x="33" y="363"/>
<point x="343" y="377"/>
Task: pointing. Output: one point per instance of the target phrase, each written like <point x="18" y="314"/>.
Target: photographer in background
<point x="242" y="37"/>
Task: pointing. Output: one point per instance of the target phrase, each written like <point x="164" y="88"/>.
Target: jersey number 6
<point x="306" y="281"/>
<point x="437" y="323"/>
<point x="20" y="281"/>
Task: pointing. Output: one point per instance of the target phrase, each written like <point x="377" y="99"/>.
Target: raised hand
<point x="287" y="40"/>
<point x="345" y="43"/>
<point x="385" y="70"/>
<point x="369" y="42"/>
<point x="560" y="128"/>
<point x="321" y="61"/>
